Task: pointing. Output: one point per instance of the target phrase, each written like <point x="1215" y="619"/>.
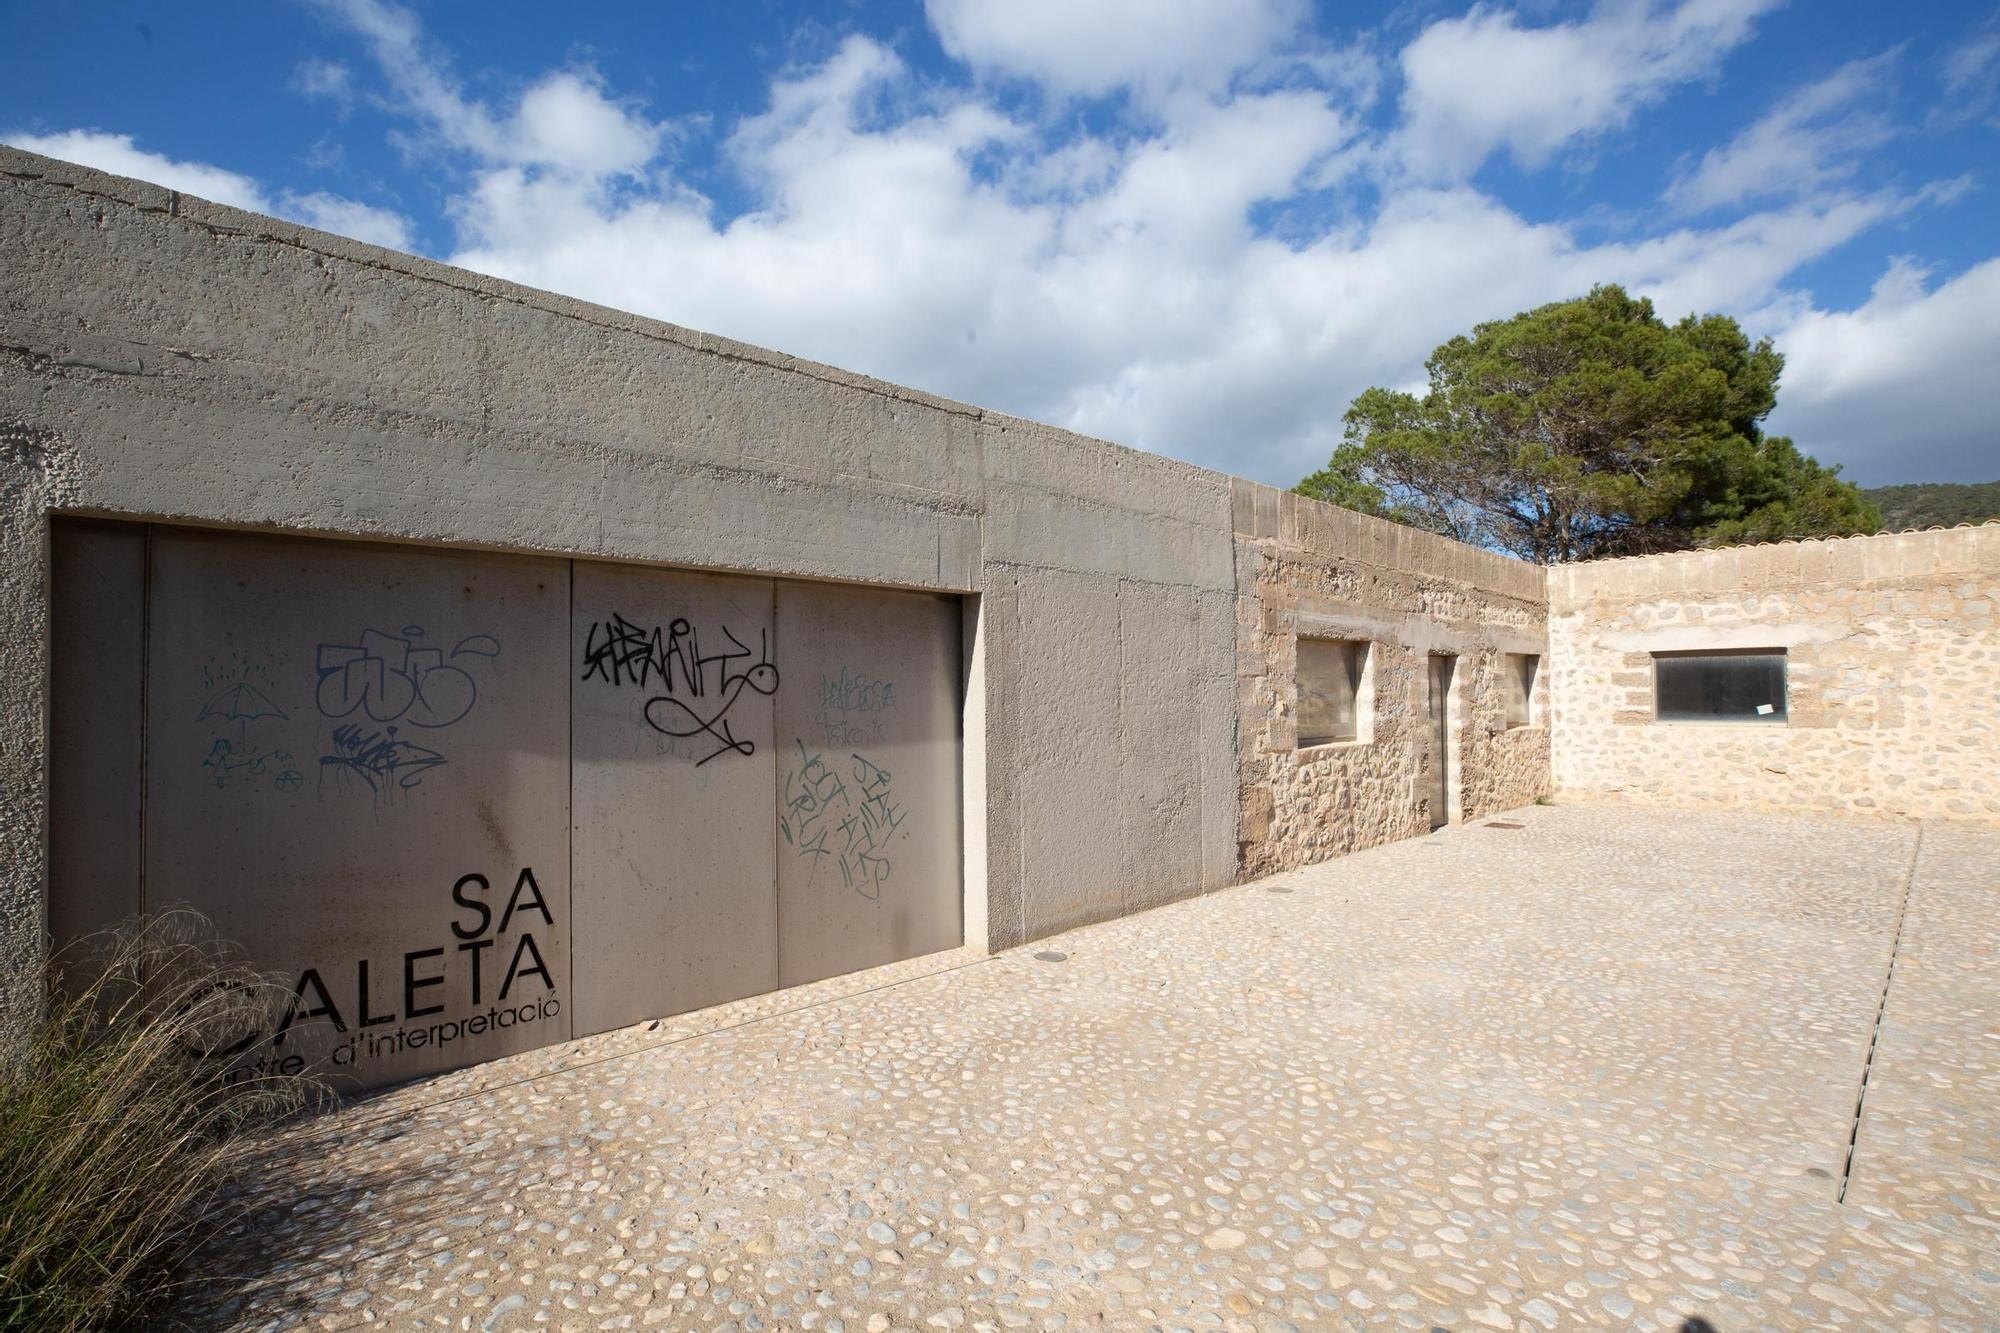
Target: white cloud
<point x="1479" y="84"/>
<point x="326" y="79"/>
<point x="1739" y="265"/>
<point x="1124" y="292"/>
<point x="1902" y="388"/>
<point x="566" y="121"/>
<point x="1970" y="73"/>
<point x="395" y="39"/>
<point x="1811" y="139"/>
<point x="346" y="217"/>
<point x="563" y="122"/>
<point x="116" y="153"/>
<point x="1096" y="46"/>
<point x="1971" y="62"/>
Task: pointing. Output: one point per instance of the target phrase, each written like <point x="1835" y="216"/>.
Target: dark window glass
<point x="1747" y="685"/>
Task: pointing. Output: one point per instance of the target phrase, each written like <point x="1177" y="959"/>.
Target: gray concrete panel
<point x="868" y="795"/>
<point x="1039" y="459"/>
<point x="355" y="771"/>
<point x="1159" y="744"/>
<point x="676" y="903"/>
<point x="1063" y="714"/>
<point x="1215" y="763"/>
<point x="97" y="620"/>
<point x="994" y="750"/>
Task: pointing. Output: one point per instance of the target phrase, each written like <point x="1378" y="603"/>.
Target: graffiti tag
<point x="846" y="818"/>
<point x="697" y="689"/>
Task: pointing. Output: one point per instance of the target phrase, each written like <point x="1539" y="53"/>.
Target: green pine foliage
<point x="1936" y="503"/>
<point x="1590" y="428"/>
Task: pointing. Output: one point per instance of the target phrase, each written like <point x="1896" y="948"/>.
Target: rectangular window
<point x="1736" y="685"/>
<point x="1520" y="683"/>
<point x="1329" y="678"/>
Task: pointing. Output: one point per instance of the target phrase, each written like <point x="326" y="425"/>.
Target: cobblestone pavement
<point x="1598" y="1070"/>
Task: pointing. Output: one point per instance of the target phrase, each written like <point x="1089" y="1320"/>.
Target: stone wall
<point x="1305" y="568"/>
<point x="1893" y="675"/>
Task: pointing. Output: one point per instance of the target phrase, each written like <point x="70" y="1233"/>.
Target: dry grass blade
<point x="117" y="1122"/>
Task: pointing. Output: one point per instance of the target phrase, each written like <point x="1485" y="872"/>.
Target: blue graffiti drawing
<point x="867" y="830"/>
<point x="229" y="766"/>
<point x="241" y="761"/>
<point x="379" y="758"/>
<point x="826" y="816"/>
<point x="241" y="703"/>
<point x="393" y="678"/>
<point x="851" y="708"/>
<point x="389" y="678"/>
<point x="811" y="789"/>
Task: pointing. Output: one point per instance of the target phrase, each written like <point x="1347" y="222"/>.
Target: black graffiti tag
<point x="619" y="652"/>
<point x="698" y="689"/>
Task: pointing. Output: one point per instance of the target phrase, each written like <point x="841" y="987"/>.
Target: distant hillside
<point x="1945" y="502"/>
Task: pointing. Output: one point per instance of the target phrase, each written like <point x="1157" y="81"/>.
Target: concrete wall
<point x="1126" y="649"/>
<point x="1305" y="568"/>
<point x="1893" y="673"/>
<point x="172" y="360"/>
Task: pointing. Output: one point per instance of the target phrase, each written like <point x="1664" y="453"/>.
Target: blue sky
<point x="1195" y="226"/>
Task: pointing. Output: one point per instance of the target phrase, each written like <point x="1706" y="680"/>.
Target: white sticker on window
<point x="1765" y="708"/>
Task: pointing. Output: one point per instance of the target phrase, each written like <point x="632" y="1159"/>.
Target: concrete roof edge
<point x="1785" y="541"/>
<point x="196" y="211"/>
<point x="191" y="209"/>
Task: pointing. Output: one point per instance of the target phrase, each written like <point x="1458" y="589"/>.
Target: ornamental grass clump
<point x="121" y="1114"/>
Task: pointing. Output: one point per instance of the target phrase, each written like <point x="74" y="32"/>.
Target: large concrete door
<point x="868" y="803"/>
<point x="766" y="785"/>
<point x="674" y="804"/>
<point x="354" y="769"/>
<point x="470" y="804"/>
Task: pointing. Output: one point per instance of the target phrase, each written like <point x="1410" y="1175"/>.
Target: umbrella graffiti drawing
<point x="241" y="703"/>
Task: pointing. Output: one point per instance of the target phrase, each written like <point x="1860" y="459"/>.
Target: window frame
<point x="1780" y="714"/>
<point x="1514" y="664"/>
<point x="1361" y="654"/>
